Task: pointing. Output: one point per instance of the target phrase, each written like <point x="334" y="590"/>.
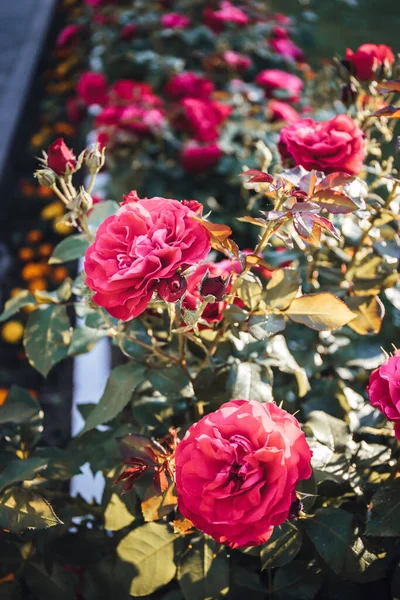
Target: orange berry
<point x="59" y="274"/>
<point x="34" y="236"/>
<point x="62" y="228"/>
<point x="26" y="254"/>
<point x="54" y="210"/>
<point x="45" y="250"/>
<point x="33" y="270"/>
<point x="37" y="284"/>
<point x="12" y="332"/>
<point x="45" y="192"/>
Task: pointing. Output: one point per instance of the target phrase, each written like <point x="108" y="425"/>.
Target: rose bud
<point x="94" y="159"/>
<point x="60" y="158"/>
<point x="172" y="289"/>
<point x="349" y="94"/>
<point x="214" y="286"/>
<point x="295" y="509"/>
<point x="45" y="177"/>
<point x="384" y="390"/>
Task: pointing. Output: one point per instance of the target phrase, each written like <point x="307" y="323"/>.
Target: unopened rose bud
<point x="214" y="286"/>
<point x="295" y="509"/>
<point x="194" y="206"/>
<point x="349" y="94"/>
<point x="172" y="289"/>
<point x="45" y="177"/>
<point x="95" y="158"/>
<point x="60" y="158"/>
<point x="82" y="201"/>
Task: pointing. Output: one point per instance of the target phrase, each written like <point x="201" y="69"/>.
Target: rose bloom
<point x="189" y="85"/>
<point x="68" y="35"/>
<point x="127" y="91"/>
<point x="213" y="312"/>
<point x="384" y="390"/>
<point x="141" y="120"/>
<point x="92" y="88"/>
<point x="197" y="159"/>
<point x="236" y="61"/>
<point x="128" y="31"/>
<point x="287" y="48"/>
<point x="145" y="242"/>
<point x="175" y="21"/>
<point x="75" y="109"/>
<point x="202" y="118"/>
<point x="228" y="13"/>
<point x="335" y="145"/>
<point x="60" y="158"/>
<point x="237" y="470"/>
<point x="281" y="111"/>
<point x="272" y="80"/>
<point x="368" y="59"/>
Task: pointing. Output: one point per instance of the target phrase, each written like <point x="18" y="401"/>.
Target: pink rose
<point x="92" y="88"/>
<point x="228" y="13"/>
<point x="141" y="120"/>
<point x="384" y="390"/>
<point x="68" y="35"/>
<point x="175" y="21"/>
<point x="287" y="48"/>
<point x="237" y="470"/>
<point x="236" y="61"/>
<point x="202" y="118"/>
<point x="189" y="85"/>
<point x="198" y="159"/>
<point x="335" y="145"/>
<point x="368" y="59"/>
<point x="145" y="242"/>
<point x="281" y="111"/>
<point x="273" y="80"/>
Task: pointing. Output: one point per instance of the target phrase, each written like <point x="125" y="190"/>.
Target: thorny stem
<point x="354" y="261"/>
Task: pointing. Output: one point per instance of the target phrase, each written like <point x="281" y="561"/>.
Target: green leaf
<point x="282" y="288"/>
<point x="61" y="294"/>
<point x="296" y="581"/>
<point x="332" y="532"/>
<point x="250" y="381"/>
<point x="384" y="518"/>
<point x="171" y="381"/>
<point x="250" y="290"/>
<point x="101" y="211"/>
<point x="12" y="306"/>
<point x="282" y="547"/>
<point x="70" y="248"/>
<point x="21" y="470"/>
<point x="19" y="406"/>
<point x="84" y="339"/>
<point x="121" y="384"/>
<point x="150" y="549"/>
<point x="264" y="326"/>
<point x="201" y="574"/>
<point x="328" y="430"/>
<point x="60" y="583"/>
<point x="319" y="312"/>
<point x="47" y="336"/>
<point x="21" y="509"/>
<point x="279" y="355"/>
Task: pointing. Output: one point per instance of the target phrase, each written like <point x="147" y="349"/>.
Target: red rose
<point x="236" y="61"/>
<point x="202" y="118"/>
<point x="128" y="91"/>
<point x="384" y="390"/>
<point x="92" y="88"/>
<point x="141" y="120"/>
<point x="189" y="85"/>
<point x="128" y="32"/>
<point x="287" y="48"/>
<point x="281" y="111"/>
<point x="274" y="80"/>
<point x="175" y="21"/>
<point x="335" y="145"/>
<point x="145" y="242"/>
<point x="199" y="159"/>
<point x="368" y="59"/>
<point x="68" y="35"/>
<point x="172" y="289"/>
<point x="75" y="109"/>
<point x="60" y="158"/>
<point x="213" y="312"/>
<point x="228" y="13"/>
<point x="237" y="470"/>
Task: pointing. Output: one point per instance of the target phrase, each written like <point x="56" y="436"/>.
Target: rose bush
<point x="237" y="471"/>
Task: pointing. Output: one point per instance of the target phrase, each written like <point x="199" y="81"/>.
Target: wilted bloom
<point x="196" y="158"/>
<point x="369" y="60"/>
<point x="237" y="470"/>
<point x="145" y="242"/>
<point x="92" y="88"/>
<point x="175" y="21"/>
<point x="274" y="80"/>
<point x="172" y="289"/>
<point x="384" y="390"/>
<point x="335" y="145"/>
<point x="60" y="158"/>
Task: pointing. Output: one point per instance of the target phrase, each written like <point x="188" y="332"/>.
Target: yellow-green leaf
<point x="320" y="311"/>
